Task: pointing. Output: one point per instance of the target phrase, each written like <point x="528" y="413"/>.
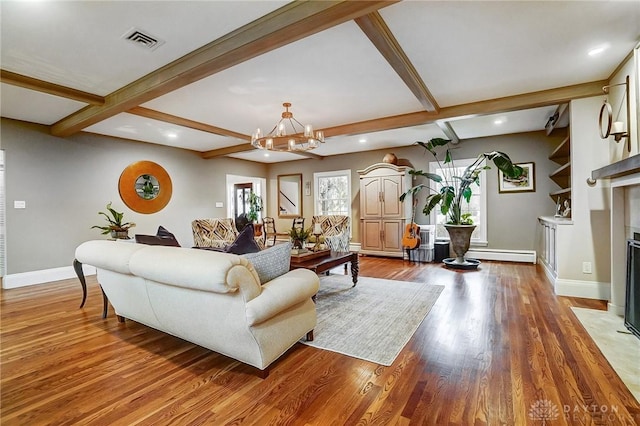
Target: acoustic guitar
<point x="411" y="237"/>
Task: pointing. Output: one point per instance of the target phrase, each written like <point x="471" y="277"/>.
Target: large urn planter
<point x="460" y="239"/>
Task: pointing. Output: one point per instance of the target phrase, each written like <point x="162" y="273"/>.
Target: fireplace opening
<point x="632" y="300"/>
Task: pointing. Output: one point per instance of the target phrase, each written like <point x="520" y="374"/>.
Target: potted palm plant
<point x="255" y="207"/>
<point x="453" y="190"/>
<point x="115" y="225"/>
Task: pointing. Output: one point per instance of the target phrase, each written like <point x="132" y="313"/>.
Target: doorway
<point x="241" y="191"/>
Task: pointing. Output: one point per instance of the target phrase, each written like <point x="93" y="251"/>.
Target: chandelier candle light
<point x="299" y="138"/>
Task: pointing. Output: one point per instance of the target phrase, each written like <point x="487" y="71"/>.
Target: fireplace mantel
<point x="624" y="167"/>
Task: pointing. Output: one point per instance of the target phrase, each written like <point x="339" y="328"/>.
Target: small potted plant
<point x="298" y="237"/>
<point x="115" y="225"/>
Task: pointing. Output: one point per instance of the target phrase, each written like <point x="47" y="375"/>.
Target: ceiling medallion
<point x="288" y="135"/>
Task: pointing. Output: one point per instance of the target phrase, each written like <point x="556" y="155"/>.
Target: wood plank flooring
<point x="498" y="348"/>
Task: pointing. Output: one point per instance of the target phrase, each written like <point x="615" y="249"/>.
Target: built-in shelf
<point x="564" y="170"/>
<point x="562" y="153"/>
<point x="561" y="192"/>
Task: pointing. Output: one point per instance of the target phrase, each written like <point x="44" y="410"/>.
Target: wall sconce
<point x="608" y="127"/>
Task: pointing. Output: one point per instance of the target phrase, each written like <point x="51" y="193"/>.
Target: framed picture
<point x="525" y="183"/>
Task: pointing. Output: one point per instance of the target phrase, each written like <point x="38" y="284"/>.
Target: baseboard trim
<point x="25" y="279"/>
<point x="548" y="272"/>
<point x="616" y="309"/>
<point x="527" y="256"/>
<point x="585" y="289"/>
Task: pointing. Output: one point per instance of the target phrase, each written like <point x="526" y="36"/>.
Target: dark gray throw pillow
<point x="162" y="238"/>
<point x="244" y="243"/>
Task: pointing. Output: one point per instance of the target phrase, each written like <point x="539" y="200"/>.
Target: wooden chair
<point x="269" y="225"/>
<point x="298" y="223"/>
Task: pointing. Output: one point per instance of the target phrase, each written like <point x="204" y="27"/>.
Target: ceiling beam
<point x="290" y="23"/>
<point x="448" y="131"/>
<point x="383" y="39"/>
<point x="31" y="83"/>
<point x="247" y="147"/>
<point x="510" y="103"/>
<point x="491" y="106"/>
<point x="184" y="122"/>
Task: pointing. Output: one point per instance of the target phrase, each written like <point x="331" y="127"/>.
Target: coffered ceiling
<point x="372" y="74"/>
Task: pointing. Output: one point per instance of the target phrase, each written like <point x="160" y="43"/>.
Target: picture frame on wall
<point x="525" y="183"/>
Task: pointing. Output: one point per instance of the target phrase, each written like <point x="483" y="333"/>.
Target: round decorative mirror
<point x="145" y="187"/>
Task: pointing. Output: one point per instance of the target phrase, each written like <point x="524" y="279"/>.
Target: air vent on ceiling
<point x="143" y="39"/>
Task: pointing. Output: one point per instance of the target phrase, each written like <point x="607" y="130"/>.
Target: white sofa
<point x="212" y="299"/>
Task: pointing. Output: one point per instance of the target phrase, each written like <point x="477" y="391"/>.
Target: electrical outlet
<point x="586" y="267"/>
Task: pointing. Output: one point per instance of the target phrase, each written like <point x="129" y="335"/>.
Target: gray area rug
<point x="618" y="346"/>
<point x="372" y="321"/>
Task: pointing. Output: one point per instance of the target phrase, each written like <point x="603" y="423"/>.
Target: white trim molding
<point x="584" y="289"/>
<point x="528" y="256"/>
<point x="25" y="279"/>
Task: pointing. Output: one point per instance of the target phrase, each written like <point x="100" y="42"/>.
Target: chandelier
<point x="296" y="138"/>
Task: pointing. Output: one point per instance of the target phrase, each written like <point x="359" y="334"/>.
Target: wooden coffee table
<point x="323" y="262"/>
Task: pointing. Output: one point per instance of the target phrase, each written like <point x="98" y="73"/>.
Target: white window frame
<point x="336" y="173"/>
<point x="479" y="237"/>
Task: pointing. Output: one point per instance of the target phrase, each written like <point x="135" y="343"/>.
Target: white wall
<point x="589" y="239"/>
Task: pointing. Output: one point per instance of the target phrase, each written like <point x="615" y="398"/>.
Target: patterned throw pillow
<point x="272" y="262"/>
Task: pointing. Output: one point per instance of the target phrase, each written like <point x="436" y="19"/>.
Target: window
<point x="333" y="193"/>
<point x="477" y="206"/>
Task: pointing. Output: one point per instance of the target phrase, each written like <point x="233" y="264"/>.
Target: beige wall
<point x="65" y="182"/>
<point x="512" y="217"/>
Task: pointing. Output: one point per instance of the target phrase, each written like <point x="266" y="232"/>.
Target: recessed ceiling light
<point x="598" y="50"/>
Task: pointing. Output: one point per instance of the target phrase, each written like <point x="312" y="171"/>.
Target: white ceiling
<point x="464" y="52"/>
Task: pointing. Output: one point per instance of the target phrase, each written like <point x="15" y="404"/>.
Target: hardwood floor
<point x="497" y="348"/>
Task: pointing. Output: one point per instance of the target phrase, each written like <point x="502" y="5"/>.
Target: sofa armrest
<point x="282" y="293"/>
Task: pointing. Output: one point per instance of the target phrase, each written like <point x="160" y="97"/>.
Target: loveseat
<point x="213" y="299"/>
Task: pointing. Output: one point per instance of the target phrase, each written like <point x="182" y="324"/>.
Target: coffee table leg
<point x="354" y="269"/>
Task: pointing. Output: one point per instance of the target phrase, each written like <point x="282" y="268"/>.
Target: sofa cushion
<point x="271" y="262"/>
<point x="162" y="238"/>
<point x="244" y="243"/>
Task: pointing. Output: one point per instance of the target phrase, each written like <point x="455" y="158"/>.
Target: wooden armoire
<point x="382" y="216"/>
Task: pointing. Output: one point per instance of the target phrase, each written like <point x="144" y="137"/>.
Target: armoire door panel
<point x="371" y="238"/>
<point x="370" y="198"/>
<point x="392" y="190"/>
<point x="392" y="235"/>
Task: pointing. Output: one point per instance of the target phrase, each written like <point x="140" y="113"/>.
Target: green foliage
<point x="255" y="207"/>
<point x="452" y="191"/>
<point x="299" y="234"/>
<point x="114" y="221"/>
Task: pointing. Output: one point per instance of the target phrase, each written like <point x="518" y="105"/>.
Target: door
<point x="241" y="200"/>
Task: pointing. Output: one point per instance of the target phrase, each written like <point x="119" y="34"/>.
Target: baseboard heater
<point x="527" y="256"/>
